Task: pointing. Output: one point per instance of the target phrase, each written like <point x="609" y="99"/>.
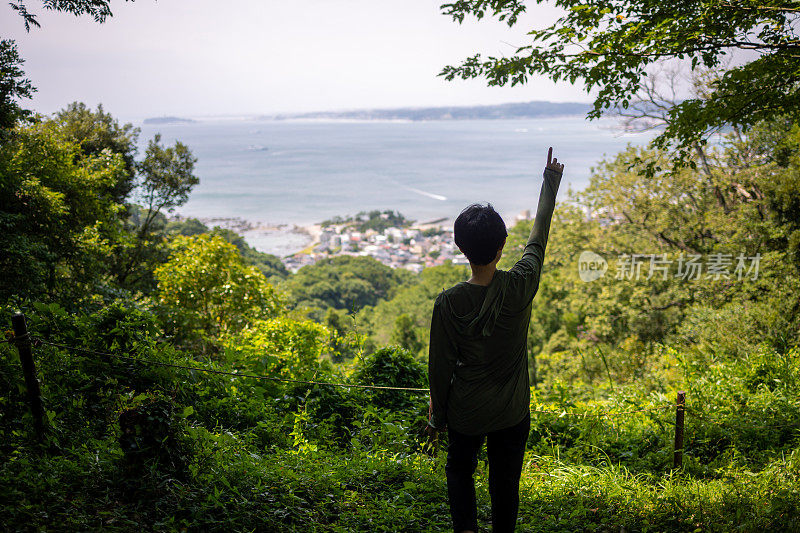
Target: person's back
<point x="478" y="365"/>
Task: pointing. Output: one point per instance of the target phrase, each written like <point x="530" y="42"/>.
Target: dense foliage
<point x="13" y="87"/>
<point x="344" y="282"/>
<point x="375" y="220"/>
<point x="191" y="383"/>
<point x="127" y="439"/>
<point x="610" y="45"/>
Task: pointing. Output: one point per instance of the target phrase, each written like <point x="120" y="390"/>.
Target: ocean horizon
<point x="281" y="174"/>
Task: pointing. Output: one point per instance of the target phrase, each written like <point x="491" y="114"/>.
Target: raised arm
<point x="529" y="266"/>
<point x="547" y="202"/>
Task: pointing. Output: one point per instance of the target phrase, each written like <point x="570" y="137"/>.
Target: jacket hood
<point x="479" y="321"/>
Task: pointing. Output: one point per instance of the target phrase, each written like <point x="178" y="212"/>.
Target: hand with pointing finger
<point x="552" y="163"/>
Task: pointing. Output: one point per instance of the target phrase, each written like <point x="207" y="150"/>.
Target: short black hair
<point x="479" y="232"/>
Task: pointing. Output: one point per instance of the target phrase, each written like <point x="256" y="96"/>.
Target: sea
<point x="276" y="177"/>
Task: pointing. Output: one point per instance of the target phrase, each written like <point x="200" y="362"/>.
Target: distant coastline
<point x="522" y="110"/>
<point x="168" y="120"/>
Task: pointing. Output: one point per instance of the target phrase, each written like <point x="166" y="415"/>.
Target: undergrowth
<point x="131" y="446"/>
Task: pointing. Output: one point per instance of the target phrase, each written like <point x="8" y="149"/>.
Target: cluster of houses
<point x="412" y="248"/>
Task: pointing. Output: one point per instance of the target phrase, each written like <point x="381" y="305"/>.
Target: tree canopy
<point x="206" y="283"/>
<point x="99" y="10"/>
<point x="13" y="86"/>
<point x="344" y="282"/>
<point x="610" y="45"/>
<point x="59" y="215"/>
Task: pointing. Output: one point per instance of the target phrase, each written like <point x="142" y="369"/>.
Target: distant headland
<point x="519" y="110"/>
<point x="535" y="109"/>
<point x="168" y="120"/>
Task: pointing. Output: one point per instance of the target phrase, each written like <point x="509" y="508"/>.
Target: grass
<point x="286" y="490"/>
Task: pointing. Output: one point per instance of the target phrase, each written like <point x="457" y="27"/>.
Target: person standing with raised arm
<point x="478" y="358"/>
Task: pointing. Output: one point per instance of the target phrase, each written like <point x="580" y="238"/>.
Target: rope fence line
<point x="605" y="413"/>
<point x="24" y="342"/>
<point x="226" y="373"/>
<point x="705" y="418"/>
<point x="14" y="339"/>
<point x="560" y="413"/>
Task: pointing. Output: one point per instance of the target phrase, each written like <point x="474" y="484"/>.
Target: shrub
<point x="392" y="366"/>
<point x="206" y="291"/>
<point x="151" y="436"/>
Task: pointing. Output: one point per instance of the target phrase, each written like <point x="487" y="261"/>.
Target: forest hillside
<point x="190" y="382"/>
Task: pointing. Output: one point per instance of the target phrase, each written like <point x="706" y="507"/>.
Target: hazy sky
<point x="203" y="57"/>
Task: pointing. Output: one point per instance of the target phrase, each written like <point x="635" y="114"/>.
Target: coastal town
<point x="386" y="236"/>
<point x="412" y="248"/>
<point x="400" y="245"/>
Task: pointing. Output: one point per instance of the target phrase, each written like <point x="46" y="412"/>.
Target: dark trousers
<point x="506" y="449"/>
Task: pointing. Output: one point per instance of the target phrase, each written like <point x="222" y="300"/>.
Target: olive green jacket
<point x="478" y="358"/>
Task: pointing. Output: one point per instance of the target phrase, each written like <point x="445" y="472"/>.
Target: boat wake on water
<point x="428" y="194"/>
<point x="434" y="196"/>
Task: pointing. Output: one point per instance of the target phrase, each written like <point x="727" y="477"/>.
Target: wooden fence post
<point x="23" y="344"/>
<point x="677" y="460"/>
